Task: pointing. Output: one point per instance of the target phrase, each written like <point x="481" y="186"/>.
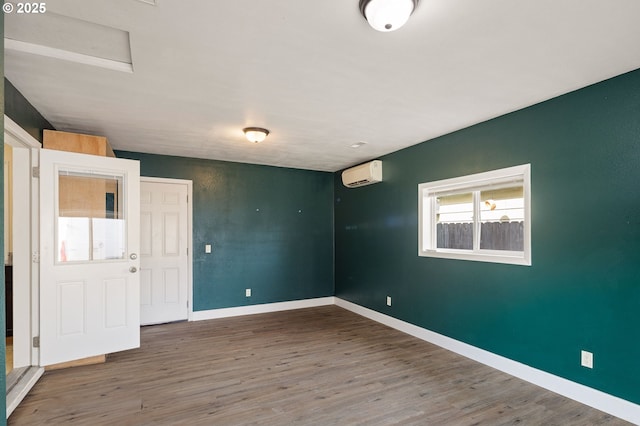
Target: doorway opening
<point x="21" y="267"/>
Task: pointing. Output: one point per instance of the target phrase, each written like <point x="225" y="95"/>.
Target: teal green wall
<point x="3" y="348"/>
<point x="271" y="229"/>
<point x="583" y="289"/>
<point x="23" y="113"/>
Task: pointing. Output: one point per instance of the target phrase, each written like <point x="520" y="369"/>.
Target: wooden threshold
<point x="98" y="359"/>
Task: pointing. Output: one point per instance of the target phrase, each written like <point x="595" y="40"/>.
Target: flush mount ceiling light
<point x="387" y="15"/>
<point x="255" y="134"/>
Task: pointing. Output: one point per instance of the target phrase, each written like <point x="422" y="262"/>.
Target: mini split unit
<point x="364" y="174"/>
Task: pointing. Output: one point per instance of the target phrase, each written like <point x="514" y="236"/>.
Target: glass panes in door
<point x="90" y="218"/>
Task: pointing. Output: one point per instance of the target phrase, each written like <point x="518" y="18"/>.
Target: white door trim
<point x="189" y="184"/>
<point x="25" y="299"/>
<point x="26" y="303"/>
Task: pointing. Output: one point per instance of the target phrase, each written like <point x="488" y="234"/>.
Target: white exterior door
<point x="89" y="256"/>
<point x="164" y="238"/>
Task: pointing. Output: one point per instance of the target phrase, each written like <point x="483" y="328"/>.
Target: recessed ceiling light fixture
<point x="255" y="134"/>
<point x="387" y="15"/>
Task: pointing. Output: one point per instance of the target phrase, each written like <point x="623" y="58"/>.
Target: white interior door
<point x="89" y="244"/>
<point x="164" y="262"/>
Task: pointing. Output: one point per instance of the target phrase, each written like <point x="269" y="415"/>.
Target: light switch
<point x="207" y="248"/>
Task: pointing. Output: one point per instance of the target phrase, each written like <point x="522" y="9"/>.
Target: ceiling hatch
<point x="70" y="39"/>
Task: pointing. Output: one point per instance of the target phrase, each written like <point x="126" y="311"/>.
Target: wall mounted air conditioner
<point x="364" y="174"/>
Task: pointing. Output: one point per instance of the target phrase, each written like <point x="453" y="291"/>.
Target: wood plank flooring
<point x="317" y="366"/>
<point x="8" y="360"/>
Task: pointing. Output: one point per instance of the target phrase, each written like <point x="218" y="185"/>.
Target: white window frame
<point x="427" y="193"/>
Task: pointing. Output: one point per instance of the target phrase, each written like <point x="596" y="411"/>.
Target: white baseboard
<point x="261" y="309"/>
<point x="594" y="398"/>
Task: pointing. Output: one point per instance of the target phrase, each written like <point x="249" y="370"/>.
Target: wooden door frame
<point x="189" y="185"/>
<point x="26" y="299"/>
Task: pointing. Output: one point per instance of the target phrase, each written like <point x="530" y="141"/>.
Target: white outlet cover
<point x="247" y="292"/>
<point x="388" y="300"/>
<point x="586" y="359"/>
<point x="207" y="248"/>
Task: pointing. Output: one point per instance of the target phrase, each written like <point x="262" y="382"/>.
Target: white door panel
<point x="164" y="252"/>
<point x="90" y="285"/>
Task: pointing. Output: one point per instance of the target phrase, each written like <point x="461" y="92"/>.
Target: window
<point x="91" y="225"/>
<point x="484" y="217"/>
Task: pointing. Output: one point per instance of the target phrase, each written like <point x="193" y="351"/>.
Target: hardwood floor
<point x="317" y="366"/>
<point x="8" y="360"/>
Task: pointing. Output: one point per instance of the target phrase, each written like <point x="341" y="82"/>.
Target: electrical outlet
<point x="207" y="248"/>
<point x="247" y="292"/>
<point x="388" y="300"/>
<point x="586" y="359"/>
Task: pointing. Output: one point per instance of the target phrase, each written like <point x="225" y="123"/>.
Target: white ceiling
<point x="313" y="73"/>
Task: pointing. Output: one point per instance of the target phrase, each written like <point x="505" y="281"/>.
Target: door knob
<point x="133" y="269"/>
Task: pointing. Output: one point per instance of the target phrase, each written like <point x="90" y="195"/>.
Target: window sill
<point x="492" y="257"/>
